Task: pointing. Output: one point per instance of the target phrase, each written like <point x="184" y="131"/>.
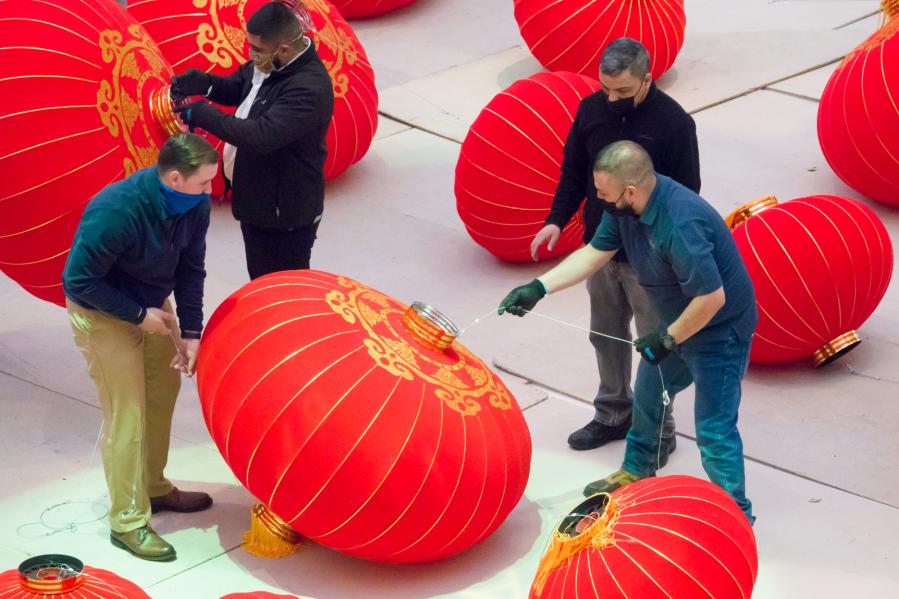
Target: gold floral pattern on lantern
<point x="135" y="63"/>
<point x="460" y="379"/>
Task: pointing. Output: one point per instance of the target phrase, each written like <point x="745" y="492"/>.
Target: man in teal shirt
<point x="686" y="259"/>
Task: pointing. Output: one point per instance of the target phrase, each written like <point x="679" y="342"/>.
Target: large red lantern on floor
<point x="210" y="35"/>
<point x="362" y="9"/>
<point x="64" y="577"/>
<point x="571" y="35"/>
<point x="676" y="537"/>
<point x="858" y="117"/>
<point x="820" y="266"/>
<point x="510" y="162"/>
<point x="357" y="421"/>
<point x="84" y="103"/>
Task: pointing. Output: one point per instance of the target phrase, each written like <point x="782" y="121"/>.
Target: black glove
<point x="190" y="112"/>
<point x="656" y="347"/>
<point x="192" y="82"/>
<point x="522" y="300"/>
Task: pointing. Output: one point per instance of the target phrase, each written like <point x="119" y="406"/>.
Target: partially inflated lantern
<point x="858" y="117"/>
<point x="820" y="266"/>
<point x="362" y="9"/>
<point x="64" y="577"/>
<point x="571" y="35"/>
<point x="510" y="162"/>
<point x="210" y="35"/>
<point x="84" y="103"/>
<point x="357" y="421"/>
<point x="674" y="536"/>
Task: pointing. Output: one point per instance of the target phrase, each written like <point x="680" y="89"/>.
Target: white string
<point x="476" y="321"/>
<point x="574" y="326"/>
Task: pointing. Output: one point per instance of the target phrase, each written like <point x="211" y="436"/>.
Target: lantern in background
<point x="357" y="421"/>
<point x="85" y="106"/>
<point x="210" y="35"/>
<point x="820" y="266"/>
<point x="362" y="9"/>
<point x="510" y="162"/>
<point x="858" y="119"/>
<point x="571" y="35"/>
<point x="64" y="576"/>
<point x="673" y="536"/>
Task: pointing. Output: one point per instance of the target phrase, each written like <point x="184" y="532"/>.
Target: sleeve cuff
<point x="191" y="334"/>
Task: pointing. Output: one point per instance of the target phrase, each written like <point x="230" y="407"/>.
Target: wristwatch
<point x="668" y="341"/>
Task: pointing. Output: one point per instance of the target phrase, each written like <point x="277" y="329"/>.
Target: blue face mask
<point x="176" y="203"/>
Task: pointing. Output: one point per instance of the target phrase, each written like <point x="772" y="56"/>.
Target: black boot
<point x="596" y="434"/>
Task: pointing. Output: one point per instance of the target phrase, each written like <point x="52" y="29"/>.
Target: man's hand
<point x="188" y="112"/>
<point x="522" y="300"/>
<point x="655" y="347"/>
<point x="186" y="358"/>
<point x="192" y="82"/>
<point x="548" y="233"/>
<point x="157" y="321"/>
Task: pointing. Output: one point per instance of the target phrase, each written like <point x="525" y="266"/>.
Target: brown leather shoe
<point x="181" y="501"/>
<point x="144" y="543"/>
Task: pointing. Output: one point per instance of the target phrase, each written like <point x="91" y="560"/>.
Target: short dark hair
<point x="275" y="23"/>
<point x="625" y="54"/>
<point x="626" y="161"/>
<point x="185" y="153"/>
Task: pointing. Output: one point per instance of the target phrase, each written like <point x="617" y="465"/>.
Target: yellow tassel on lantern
<point x="270" y="536"/>
<point x="563" y="546"/>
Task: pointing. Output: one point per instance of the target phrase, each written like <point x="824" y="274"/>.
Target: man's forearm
<point x="575" y="268"/>
<point x="698" y="313"/>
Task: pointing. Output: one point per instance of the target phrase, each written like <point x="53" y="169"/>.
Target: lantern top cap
<point x="51" y="574"/>
<point x="748" y="210"/>
<point x="429" y="326"/>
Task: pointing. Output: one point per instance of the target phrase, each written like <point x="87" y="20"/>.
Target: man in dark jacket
<point x="139" y="240"/>
<point x="628" y="107"/>
<point x="275" y="152"/>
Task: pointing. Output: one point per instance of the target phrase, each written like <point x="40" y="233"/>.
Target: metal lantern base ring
<point x="51" y="574"/>
<point x="836" y="348"/>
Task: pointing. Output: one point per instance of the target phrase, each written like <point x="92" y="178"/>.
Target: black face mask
<point x="614" y="210"/>
<point x="623" y="106"/>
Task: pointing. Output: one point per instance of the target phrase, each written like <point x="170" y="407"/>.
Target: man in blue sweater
<point x="139" y="240"/>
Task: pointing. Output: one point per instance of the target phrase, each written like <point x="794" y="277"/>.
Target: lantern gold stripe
<point x="47" y="108"/>
<point x="53" y="180"/>
<point x="62" y="253"/>
<point x="524" y="164"/>
<point x="591" y="30"/>
<point x="624" y="535"/>
<point x="875" y="130"/>
<point x="161" y="43"/>
<point x="640" y="567"/>
<point x="190" y="15"/>
<point x="50" y="24"/>
<point x="386" y="476"/>
<point x="530" y="109"/>
<point x="493" y="222"/>
<point x="485" y="201"/>
<point x="504" y="180"/>
<point x="47" y="76"/>
<point x="587" y="30"/>
<point x="864" y="237"/>
<point x="424" y="480"/>
<point x="50" y="51"/>
<point x="495" y="238"/>
<point x="539" y="147"/>
<point x="72" y="13"/>
<point x="52" y="141"/>
<point x="887" y="91"/>
<point x="185" y="59"/>
<point x="849" y="130"/>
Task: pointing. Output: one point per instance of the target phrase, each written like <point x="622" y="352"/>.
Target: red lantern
<point x="571" y="35"/>
<point x="819" y="265"/>
<point x="64" y="577"/>
<point x="362" y="9"/>
<point x="510" y="163"/>
<point x="211" y="36"/>
<point x="85" y="103"/>
<point x="673" y="536"/>
<point x="858" y="118"/>
<point x="358" y="421"/>
<point x="258" y="595"/>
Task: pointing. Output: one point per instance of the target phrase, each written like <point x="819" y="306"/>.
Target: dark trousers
<point x="270" y="250"/>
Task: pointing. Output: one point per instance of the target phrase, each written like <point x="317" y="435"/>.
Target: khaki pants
<point x="137" y="390"/>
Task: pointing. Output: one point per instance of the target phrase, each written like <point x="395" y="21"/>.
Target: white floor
<point x="822" y="449"/>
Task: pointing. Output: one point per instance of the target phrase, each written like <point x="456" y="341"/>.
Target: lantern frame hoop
<point x="51" y="574"/>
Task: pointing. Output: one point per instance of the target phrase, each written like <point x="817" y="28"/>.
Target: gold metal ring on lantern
<point x="162" y="109"/>
<point x="835" y="348"/>
<point x="51" y="574"/>
<point x="747" y="211"/>
<point x="276" y="525"/>
<point x="429" y="326"/>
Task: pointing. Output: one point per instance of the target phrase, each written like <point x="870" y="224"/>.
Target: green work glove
<point x="522" y="300"/>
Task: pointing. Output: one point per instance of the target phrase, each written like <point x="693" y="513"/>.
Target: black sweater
<point x="129" y="255"/>
<point x="279" y="179"/>
<point x="659" y="124"/>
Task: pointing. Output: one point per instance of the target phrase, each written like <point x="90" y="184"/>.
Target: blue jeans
<point x="717" y="369"/>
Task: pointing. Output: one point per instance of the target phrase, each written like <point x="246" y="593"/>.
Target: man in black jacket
<point x="138" y="241"/>
<point x="275" y="152"/>
<point x="628" y="107"/>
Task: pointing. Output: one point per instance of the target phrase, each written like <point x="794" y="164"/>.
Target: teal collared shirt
<point x="680" y="248"/>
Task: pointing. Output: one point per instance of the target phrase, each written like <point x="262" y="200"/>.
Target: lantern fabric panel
<point x="571" y="35"/>
<point x="858" y="118"/>
<point x="64" y="577"/>
<point x="675" y="536"/>
<point x="820" y="266"/>
<point x="363" y="9"/>
<point x="350" y="430"/>
<point x="510" y="162"/>
<point x="97" y="126"/>
<point x="212" y="38"/>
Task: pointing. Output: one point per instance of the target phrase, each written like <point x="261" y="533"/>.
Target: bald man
<point x="686" y="260"/>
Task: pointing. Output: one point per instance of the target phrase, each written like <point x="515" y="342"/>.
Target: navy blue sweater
<point x="129" y="255"/>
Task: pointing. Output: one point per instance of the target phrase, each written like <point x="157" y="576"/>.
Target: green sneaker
<point x="612" y="482"/>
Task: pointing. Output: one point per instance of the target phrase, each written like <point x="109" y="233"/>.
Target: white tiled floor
<point x="391" y="223"/>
